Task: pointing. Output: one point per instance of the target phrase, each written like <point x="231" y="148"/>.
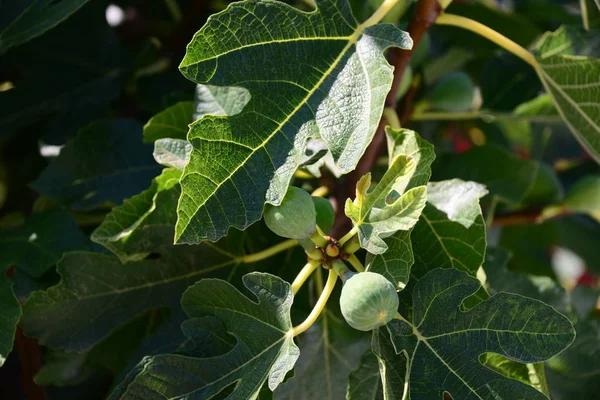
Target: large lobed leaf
<point x="571" y="77"/>
<point x="444" y="344"/>
<point x="264" y="349"/>
<point x="317" y="74"/>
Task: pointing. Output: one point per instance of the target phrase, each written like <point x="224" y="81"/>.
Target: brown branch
<point x="425" y="15"/>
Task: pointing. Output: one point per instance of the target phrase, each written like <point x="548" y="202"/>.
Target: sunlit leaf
<point x="333" y="87"/>
<point x="388" y="207"/>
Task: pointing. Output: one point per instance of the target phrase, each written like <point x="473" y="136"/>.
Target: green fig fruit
<point x="368" y="301"/>
<point x="295" y="217"/>
<point x="325" y="213"/>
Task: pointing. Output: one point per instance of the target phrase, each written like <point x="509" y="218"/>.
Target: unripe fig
<point x="454" y="92"/>
<point x="332" y="250"/>
<point x="295" y="217"/>
<point x="368" y="301"/>
<point x="325" y="213"/>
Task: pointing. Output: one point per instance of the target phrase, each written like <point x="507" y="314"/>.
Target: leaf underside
<point x="572" y="79"/>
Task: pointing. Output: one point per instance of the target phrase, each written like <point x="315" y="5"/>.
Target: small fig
<point x="295" y="217"/>
<point x="332" y="250"/>
<point x="368" y="301"/>
<point x="325" y="213"/>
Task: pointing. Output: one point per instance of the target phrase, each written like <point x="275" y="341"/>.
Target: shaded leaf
<point x="531" y="244"/>
<point x="584" y="196"/>
<point x="329" y="351"/>
<point x="387" y="208"/>
<point x="509" y="179"/>
<point x="393" y="367"/>
<point x="365" y="383"/>
<point x="144" y="223"/>
<point x="396" y="262"/>
<point x="575" y="373"/>
<point x="249" y="364"/>
<point x="170" y="123"/>
<point x="105" y="162"/>
<point x="444" y="343"/>
<point x="60" y="316"/>
<point x="333" y="90"/>
<point x="41" y="241"/>
<point x="500" y="279"/>
<point x="11" y="312"/>
<point x="454" y="238"/>
<point x="64" y="79"/>
<point x="22" y="21"/>
<point x="540" y="106"/>
<point x="572" y="79"/>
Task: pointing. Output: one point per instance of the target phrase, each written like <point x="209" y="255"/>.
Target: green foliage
<point x="11" y="312"/>
<point x="387" y="208"/>
<point x="468" y="252"/>
<point x="118" y="167"/>
<point x="570" y="77"/>
<point x="442" y="338"/>
<point x="251" y="362"/>
<point x="24" y="21"/>
<point x="264" y="142"/>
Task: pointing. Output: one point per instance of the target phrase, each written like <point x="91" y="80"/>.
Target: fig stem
<point x="318" y="239"/>
<point x="303" y="275"/>
<point x="355" y="262"/>
<point x="348" y="235"/>
<point x="321" y="191"/>
<point x="268" y="252"/>
<point x="319" y="307"/>
<point x="490" y="34"/>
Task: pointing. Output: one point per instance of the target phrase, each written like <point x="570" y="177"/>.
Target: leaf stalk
<point x="355" y="262"/>
<point x="488" y="33"/>
<point x="269" y="252"/>
<point x="319" y="307"/>
<point x="304" y="274"/>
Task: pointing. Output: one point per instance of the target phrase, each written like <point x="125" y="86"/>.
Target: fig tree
<point x="368" y="300"/>
<point x="295" y="217"/>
